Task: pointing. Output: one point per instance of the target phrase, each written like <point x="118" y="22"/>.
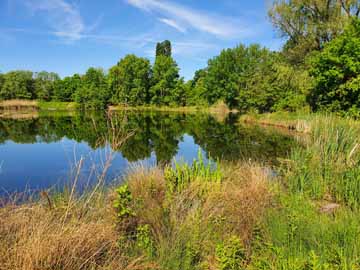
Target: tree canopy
<point x="129" y="81"/>
<point x="336" y="70"/>
<point x="163" y="48"/>
<point x="164" y="80"/>
<point x="310" y="24"/>
<point x="18" y="84"/>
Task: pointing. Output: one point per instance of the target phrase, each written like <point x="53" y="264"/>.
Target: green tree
<point x="45" y="84"/>
<point x="64" y="90"/>
<point x="310" y="24"/>
<point x="129" y="81"/>
<point x="292" y="84"/>
<point x="337" y="73"/>
<point x="18" y="84"/>
<point x="196" y="89"/>
<point x="180" y="93"/>
<point x="93" y="93"/>
<point x="241" y="77"/>
<point x="163" y="48"/>
<point x="165" y="79"/>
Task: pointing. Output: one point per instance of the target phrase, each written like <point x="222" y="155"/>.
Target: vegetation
<point x="337" y="73"/>
<point x="309" y="25"/>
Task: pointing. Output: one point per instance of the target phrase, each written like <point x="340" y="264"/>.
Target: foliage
<point x="122" y="203"/>
<point x="163" y="48"/>
<point x="93" y="93"/>
<point x="18" y="85"/>
<point x="231" y="255"/>
<point x="164" y="80"/>
<point x="144" y="240"/>
<point x="309" y="25"/>
<point x="44" y="84"/>
<point x="64" y="90"/>
<point x="293" y="85"/>
<point x="299" y="237"/>
<point x="193" y="229"/>
<point x="129" y="81"/>
<point x="197" y="89"/>
<point x="337" y="73"/>
<point x="245" y="78"/>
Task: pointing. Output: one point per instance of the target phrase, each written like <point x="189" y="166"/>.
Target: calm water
<point x="44" y="151"/>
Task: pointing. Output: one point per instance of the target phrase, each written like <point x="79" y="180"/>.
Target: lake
<point x="45" y="151"/>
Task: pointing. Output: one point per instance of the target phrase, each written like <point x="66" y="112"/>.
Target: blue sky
<point x="69" y="36"/>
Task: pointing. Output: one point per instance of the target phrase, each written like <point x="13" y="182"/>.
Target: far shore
<point x="17" y="105"/>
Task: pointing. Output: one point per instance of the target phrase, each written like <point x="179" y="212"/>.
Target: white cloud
<point x="173" y="24"/>
<point x="183" y="16"/>
<point x="63" y="17"/>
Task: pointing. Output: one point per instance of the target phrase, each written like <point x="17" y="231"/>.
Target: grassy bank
<point x="34" y="105"/>
<point x="221" y="216"/>
<point x="57" y="106"/>
<point x="220" y="108"/>
<point x="303" y="122"/>
<point x="21" y="105"/>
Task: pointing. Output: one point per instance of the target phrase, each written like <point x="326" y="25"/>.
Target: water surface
<point x="43" y="151"/>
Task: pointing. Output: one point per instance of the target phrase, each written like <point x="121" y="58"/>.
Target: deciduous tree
<point x="129" y="81"/>
<point x="337" y="73"/>
<point x="18" y="84"/>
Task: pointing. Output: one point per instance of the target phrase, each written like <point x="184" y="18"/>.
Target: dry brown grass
<point x="241" y="201"/>
<point x="19" y="103"/>
<point x="18" y="115"/>
<point x="34" y="236"/>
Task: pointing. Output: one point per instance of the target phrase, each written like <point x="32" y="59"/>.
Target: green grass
<point x="57" y="106"/>
<point x="297" y="236"/>
<point x="219" y="107"/>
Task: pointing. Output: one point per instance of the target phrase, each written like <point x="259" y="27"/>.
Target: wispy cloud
<point x="64" y="18"/>
<point x="184" y="17"/>
<point x="173" y="24"/>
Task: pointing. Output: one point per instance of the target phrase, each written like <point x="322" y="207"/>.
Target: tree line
<point x="318" y="68"/>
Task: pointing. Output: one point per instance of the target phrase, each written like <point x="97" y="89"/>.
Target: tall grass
<point x="297" y="236"/>
<point x="328" y="168"/>
<point x="178" y="219"/>
<point x="296" y="233"/>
